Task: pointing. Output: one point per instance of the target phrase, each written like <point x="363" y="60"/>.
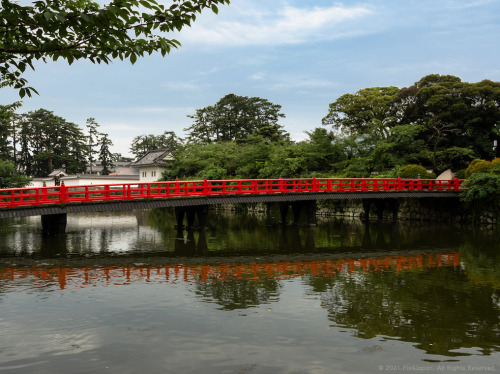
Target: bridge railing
<point x="108" y="192"/>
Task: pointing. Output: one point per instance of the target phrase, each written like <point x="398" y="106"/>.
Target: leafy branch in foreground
<point x="82" y="29"/>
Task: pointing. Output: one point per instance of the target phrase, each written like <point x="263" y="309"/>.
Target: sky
<point x="300" y="54"/>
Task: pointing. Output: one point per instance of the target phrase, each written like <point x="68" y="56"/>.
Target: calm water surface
<point x="126" y="293"/>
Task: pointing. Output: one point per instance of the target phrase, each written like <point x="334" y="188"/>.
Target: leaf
<point x="133" y="58"/>
<point x="215" y="9"/>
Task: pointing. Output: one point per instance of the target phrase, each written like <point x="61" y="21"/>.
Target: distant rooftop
<point x="156" y="157"/>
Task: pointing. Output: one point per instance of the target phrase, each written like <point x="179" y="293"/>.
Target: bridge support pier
<point x="394" y="206"/>
<point x="366" y="208"/>
<point x="283" y="212"/>
<point x="380" y="205"/>
<point x="379" y="209"/>
<point x="191" y="212"/>
<point x="297" y="208"/>
<point x="54" y="224"/>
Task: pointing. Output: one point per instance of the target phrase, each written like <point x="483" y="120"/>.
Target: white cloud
<point x="287" y="25"/>
<point x="257" y="76"/>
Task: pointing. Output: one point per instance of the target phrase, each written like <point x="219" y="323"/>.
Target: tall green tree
<point x="49" y="142"/>
<point x="8" y="131"/>
<point x="236" y="117"/>
<point x="92" y="140"/>
<point x="370" y="110"/>
<point x="105" y="155"/>
<point x="82" y="29"/>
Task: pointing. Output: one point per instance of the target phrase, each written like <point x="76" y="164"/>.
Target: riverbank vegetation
<point x="438" y="123"/>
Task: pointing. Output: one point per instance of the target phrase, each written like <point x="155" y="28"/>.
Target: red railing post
<point x="398" y="184"/>
<point x="44" y="194"/>
<point x="205" y="187"/>
<point x="62" y="193"/>
<point x="314" y="185"/>
<point x="456" y="185"/>
<point x="106" y="192"/>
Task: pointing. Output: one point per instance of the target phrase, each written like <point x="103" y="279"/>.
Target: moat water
<point x="126" y="293"/>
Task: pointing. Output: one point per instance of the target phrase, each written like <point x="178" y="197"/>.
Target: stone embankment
<point x="414" y="209"/>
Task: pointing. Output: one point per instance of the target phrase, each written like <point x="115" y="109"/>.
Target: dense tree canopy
<point x="83" y="29"/>
<point x="38" y="142"/>
<point x="236" y="117"/>
<point x="50" y="142"/>
<point x="370" y="110"/>
<point x="440" y="122"/>
<point x="7" y="131"/>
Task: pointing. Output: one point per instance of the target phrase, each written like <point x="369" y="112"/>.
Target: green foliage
<point x="49" y="142"/>
<point x="415" y="171"/>
<point x="8" y="130"/>
<point x="439" y="121"/>
<point x="213" y="172"/>
<point x="82" y="29"/>
<point x="105" y="155"/>
<point x="483" y="191"/>
<point x="92" y="139"/>
<point x="478" y="166"/>
<point x="9" y="178"/>
<point x="495" y="166"/>
<point x="236" y="117"/>
<point x="370" y="109"/>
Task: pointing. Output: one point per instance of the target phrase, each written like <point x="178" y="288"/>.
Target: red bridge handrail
<point x="30" y="196"/>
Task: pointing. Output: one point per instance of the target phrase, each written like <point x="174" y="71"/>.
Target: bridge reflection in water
<point x="80" y="277"/>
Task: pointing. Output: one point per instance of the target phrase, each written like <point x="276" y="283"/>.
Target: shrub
<point x="478" y="166"/>
<point x="483" y="191"/>
<point x="415" y="171"/>
<point x="213" y="172"/>
<point x="495" y="166"/>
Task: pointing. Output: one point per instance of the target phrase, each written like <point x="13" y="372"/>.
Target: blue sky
<point x="300" y="54"/>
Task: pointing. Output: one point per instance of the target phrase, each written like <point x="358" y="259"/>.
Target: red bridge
<point x="193" y="197"/>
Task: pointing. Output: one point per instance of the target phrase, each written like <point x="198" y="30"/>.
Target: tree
<point x="142" y="144"/>
<point x="49" y="142"/>
<point x="9" y="178"/>
<point x="93" y="140"/>
<point x="83" y="29"/>
<point x="368" y="110"/>
<point x="105" y="155"/>
<point x="236" y="117"/>
<point x="455" y="114"/>
<point x="8" y="131"/>
<point x="321" y="150"/>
